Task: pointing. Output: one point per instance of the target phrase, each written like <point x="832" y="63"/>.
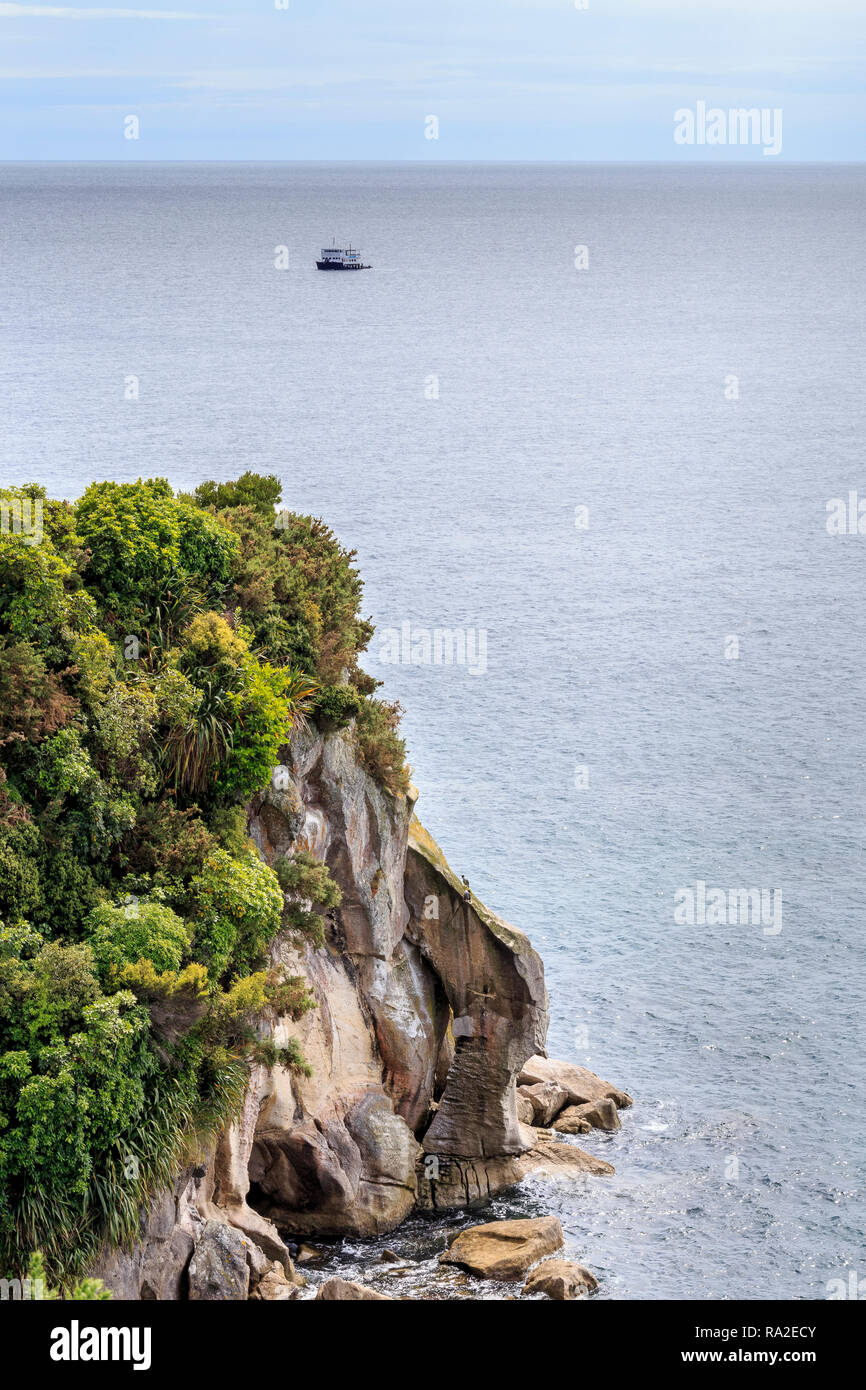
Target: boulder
<point x="349" y="1172"/>
<point x="218" y="1269"/>
<point x="571" y="1121"/>
<point x="597" y="1114"/>
<point x="582" y="1085"/>
<point x="258" y="1262"/>
<point x="307" y="1253"/>
<point x="525" y="1109"/>
<point x="547" y="1098"/>
<point x="274" y="1287"/>
<point x="561" y="1280"/>
<point x="504" y="1249"/>
<point x="346" y="1290"/>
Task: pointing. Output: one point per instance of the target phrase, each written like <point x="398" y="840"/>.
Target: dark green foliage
<point x="142" y="539"/>
<point x="336" y="706"/>
<point x="250" y="490"/>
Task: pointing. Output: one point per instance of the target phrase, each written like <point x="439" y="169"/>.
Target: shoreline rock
<point x="504" y="1250"/>
<point x="562" y="1280"/>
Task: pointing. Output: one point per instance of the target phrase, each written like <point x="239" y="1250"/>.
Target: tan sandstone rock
<point x="494" y="984"/>
<point x="571" y="1121"/>
<point x="555" y="1157"/>
<point x="547" y="1098"/>
<point x="346" y="1290"/>
<point x="598" y="1114"/>
<point x="525" y="1109"/>
<point x="274" y="1287"/>
<point x="504" y="1249"/>
<point x="561" y="1280"/>
<point x="582" y="1085"/>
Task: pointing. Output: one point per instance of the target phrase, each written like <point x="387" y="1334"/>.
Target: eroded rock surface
<point x="494" y="982"/>
<point x="430" y="1010"/>
<point x="598" y="1114"/>
<point x="219" y="1269"/>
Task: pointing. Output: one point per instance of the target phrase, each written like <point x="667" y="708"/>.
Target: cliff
<point x="428" y="1007"/>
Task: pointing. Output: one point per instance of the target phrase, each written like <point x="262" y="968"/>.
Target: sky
<point x="505" y="79"/>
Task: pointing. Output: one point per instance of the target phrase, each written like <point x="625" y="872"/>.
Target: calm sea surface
<point x="698" y="389"/>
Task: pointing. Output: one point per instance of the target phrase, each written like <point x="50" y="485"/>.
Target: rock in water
<point x="561" y="1280"/>
<point x="307" y="1253"/>
<point x="571" y="1121"/>
<point x="346" y="1290"/>
<point x="504" y="1249"/>
<point x="274" y="1287"/>
<point x="218" y="1269"/>
<point x="547" y="1098"/>
<point x="582" y="1085"/>
<point x="555" y="1157"/>
<point x="598" y="1114"/>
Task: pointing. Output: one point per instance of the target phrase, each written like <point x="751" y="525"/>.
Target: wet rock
<point x="218" y="1269"/>
<point x="547" y="1098"/>
<point x="346" y="1290"/>
<point x="445" y="1184"/>
<point x="561" y="1280"/>
<point x="504" y="1249"/>
<point x="308" y="1253"/>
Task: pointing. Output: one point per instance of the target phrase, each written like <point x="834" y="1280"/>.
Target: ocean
<point x="588" y="419"/>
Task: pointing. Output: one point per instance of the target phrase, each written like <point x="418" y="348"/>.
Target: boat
<point x="340" y="258"/>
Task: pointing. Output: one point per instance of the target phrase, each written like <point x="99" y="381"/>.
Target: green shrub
<point x="140" y="536"/>
<point x="336" y="706"/>
<point x="250" y="490"/>
<point x="140" y="930"/>
<point x="238" y="903"/>
<point x="306" y="880"/>
<point x="33" y="701"/>
<point x="20" y="882"/>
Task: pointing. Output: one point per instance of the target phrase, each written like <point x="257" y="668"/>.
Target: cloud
<point x="66" y="12"/>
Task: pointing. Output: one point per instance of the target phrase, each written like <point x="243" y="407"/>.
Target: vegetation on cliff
<point x="156" y="650"/>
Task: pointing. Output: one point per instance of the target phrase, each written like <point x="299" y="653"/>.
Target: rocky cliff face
<point x="428" y="1007"/>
